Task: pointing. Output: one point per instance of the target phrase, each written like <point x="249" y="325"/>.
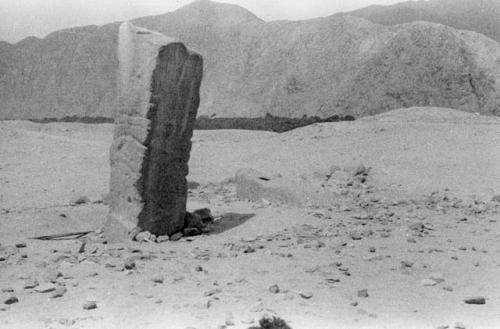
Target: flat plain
<point x="403" y="248"/>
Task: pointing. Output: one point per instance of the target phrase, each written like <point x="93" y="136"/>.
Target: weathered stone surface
<point x="159" y="82"/>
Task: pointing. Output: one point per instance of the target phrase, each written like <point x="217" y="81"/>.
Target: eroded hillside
<point x="339" y="65"/>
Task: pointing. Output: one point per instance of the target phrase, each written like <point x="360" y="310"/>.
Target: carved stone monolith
<point x="159" y="82"/>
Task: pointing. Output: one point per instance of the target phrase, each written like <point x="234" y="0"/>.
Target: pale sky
<point x="22" y="18"/>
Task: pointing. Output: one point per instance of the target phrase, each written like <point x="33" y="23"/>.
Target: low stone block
<point x="255" y="186"/>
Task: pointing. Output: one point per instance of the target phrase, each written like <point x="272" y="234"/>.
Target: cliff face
<point x="336" y="65"/>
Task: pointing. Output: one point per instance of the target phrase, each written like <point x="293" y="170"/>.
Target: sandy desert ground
<point x="404" y="249"/>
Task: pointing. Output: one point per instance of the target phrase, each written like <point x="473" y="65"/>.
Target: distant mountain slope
<point x="339" y="65"/>
<point x="430" y="65"/>
<point x="482" y="16"/>
<point x="4" y="45"/>
<point x="68" y="72"/>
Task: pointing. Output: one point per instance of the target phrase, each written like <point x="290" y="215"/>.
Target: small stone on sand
<point x="176" y="236"/>
<point x="30" y="283"/>
<point x="158" y="278"/>
<point x="46" y="287"/>
<point x="129" y="264"/>
<point x="428" y="282"/>
<point x="145" y="236"/>
<point x="90" y="305"/>
<point x="20" y="244"/>
<point x="274" y="289"/>
<point x="476" y="300"/>
<point x="162" y="238"/>
<point x="51" y="275"/>
<point x="306" y="294"/>
<point x="363" y="293"/>
<point x="59" y="292"/>
<point x="11" y="300"/>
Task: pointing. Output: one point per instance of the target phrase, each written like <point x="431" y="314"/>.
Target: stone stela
<point x="158" y="98"/>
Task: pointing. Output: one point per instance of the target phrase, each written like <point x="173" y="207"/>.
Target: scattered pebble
<point x="59" y="292"/>
<point x="176" y="236"/>
<point x="356" y="236"/>
<point x="66" y="322"/>
<point x="11" y="300"/>
<point x="212" y="292"/>
<point x="406" y="264"/>
<point x="90" y="305"/>
<point x="428" y="282"/>
<point x="21" y="244"/>
<point x="306" y="294"/>
<point x="158" y="278"/>
<point x="363" y="293"/>
<point x="162" y="238"/>
<point x="80" y="200"/>
<point x="191" y="231"/>
<point x="476" y="300"/>
<point x="51" y="275"/>
<point x="259" y="307"/>
<point x="248" y="249"/>
<point x="30" y="283"/>
<point x="129" y="264"/>
<point x="45" y="287"/>
<point x="274" y="289"/>
<point x="332" y="280"/>
<point x="145" y="236"/>
<point x="436" y="276"/>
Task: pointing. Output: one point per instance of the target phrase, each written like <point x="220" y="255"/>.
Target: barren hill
<point x="481" y="16"/>
<point x="340" y="65"/>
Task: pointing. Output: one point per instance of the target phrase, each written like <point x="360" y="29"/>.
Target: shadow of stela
<point x="228" y="221"/>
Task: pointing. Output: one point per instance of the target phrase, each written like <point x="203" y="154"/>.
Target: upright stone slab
<point x="159" y="82"/>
